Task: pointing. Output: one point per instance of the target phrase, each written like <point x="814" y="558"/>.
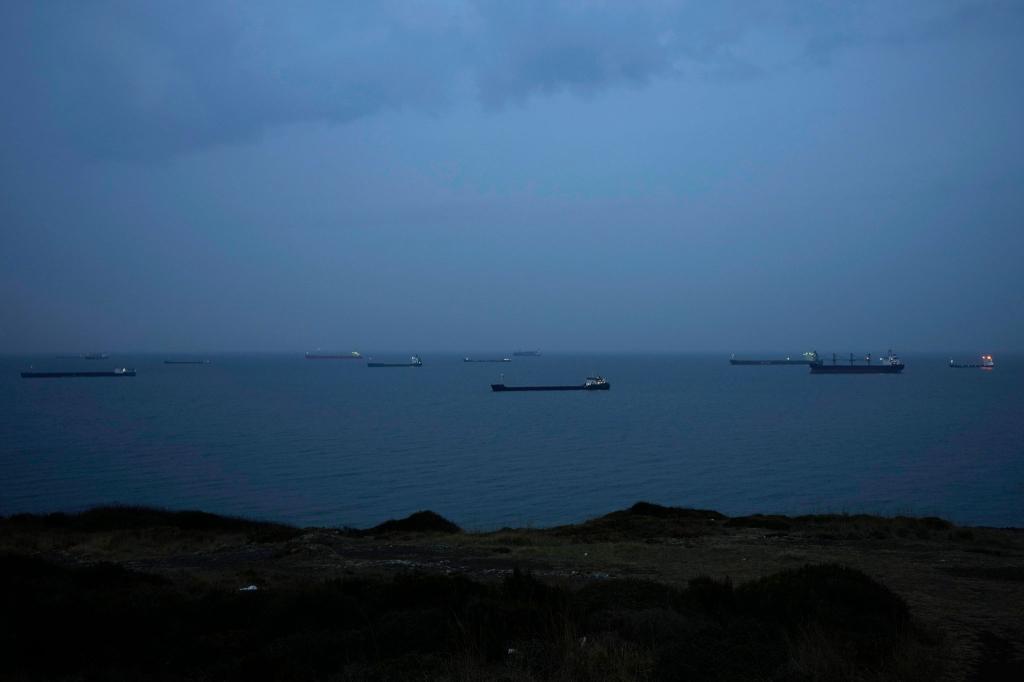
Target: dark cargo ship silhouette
<point x="597" y="383"/>
<point x="122" y="372"/>
<point x="888" y="365"/>
<point x="414" y="361"/>
<point x="318" y="355"/>
<point x="807" y="359"/>
<point x="527" y="353"/>
<point x="469" y="359"/>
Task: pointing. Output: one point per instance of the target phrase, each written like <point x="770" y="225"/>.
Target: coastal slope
<point x="649" y="592"/>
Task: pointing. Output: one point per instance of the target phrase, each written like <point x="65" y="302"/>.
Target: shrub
<point x="420" y="522"/>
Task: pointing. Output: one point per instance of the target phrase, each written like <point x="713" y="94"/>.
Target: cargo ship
<point x="186" y="362"/>
<point x="806" y="359"/>
<point x="414" y="361"/>
<point x="85" y="356"/>
<point x="487" y="359"/>
<point x="592" y="384"/>
<point x="986" y="363"/>
<point x="317" y="355"/>
<point x="888" y="365"/>
<point x="122" y="372"/>
<point x="527" y="353"/>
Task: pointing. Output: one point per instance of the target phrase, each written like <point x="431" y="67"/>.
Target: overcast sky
<point x="492" y="175"/>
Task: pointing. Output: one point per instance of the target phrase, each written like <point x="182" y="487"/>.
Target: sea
<point x="335" y="443"/>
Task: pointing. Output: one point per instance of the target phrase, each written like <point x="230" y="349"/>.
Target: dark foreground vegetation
<point x="67" y="615"/>
<point x="109" y="622"/>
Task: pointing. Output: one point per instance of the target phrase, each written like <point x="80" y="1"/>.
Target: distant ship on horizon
<point x="986" y="363"/>
<point x="120" y="372"/>
<point x="324" y="355"/>
<point x="888" y="365"/>
<point x="808" y="358"/>
<point x="595" y="383"/>
<point x="414" y="361"/>
<point x="527" y="353"/>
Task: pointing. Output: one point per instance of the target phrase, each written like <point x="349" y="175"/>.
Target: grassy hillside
<point x="649" y="593"/>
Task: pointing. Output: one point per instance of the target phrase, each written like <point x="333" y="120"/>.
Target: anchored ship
<point x="317" y="355"/>
<point x="986" y="363"/>
<point x="487" y="359"/>
<point x="527" y="353"/>
<point x="808" y="358"/>
<point x="122" y="372"/>
<point x="887" y="365"/>
<point x="186" y="362"/>
<point x="414" y="361"/>
<point x="592" y="384"/>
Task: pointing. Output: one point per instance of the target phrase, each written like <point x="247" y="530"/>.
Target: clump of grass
<point x="419" y="522"/>
<point x="662" y="512"/>
<point x="136" y="518"/>
<point x="843" y="602"/>
<point x="1007" y="573"/>
<point x="644" y="521"/>
<point x="768" y="522"/>
<point x="846" y="526"/>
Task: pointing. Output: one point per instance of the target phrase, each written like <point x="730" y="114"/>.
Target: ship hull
<point x="62" y="375"/>
<point x="334" y="357"/>
<point x="502" y="388"/>
<point x="769" y="362"/>
<point x="856" y="369"/>
<point x="394" y="364"/>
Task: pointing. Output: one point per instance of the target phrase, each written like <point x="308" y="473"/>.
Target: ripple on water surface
<point x="278" y="437"/>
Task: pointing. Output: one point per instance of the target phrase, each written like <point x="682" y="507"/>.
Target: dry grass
<point x="962" y="585"/>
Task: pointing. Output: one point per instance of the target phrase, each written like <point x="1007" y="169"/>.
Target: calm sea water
<point x="336" y="443"/>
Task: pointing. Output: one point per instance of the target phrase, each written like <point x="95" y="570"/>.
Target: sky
<point x="473" y="175"/>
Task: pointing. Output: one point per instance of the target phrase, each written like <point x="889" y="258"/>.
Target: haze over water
<point x="336" y="443"/>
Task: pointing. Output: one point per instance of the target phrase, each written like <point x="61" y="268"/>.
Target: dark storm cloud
<point x="957" y="21"/>
<point x="148" y="79"/>
<point x="144" y="80"/>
